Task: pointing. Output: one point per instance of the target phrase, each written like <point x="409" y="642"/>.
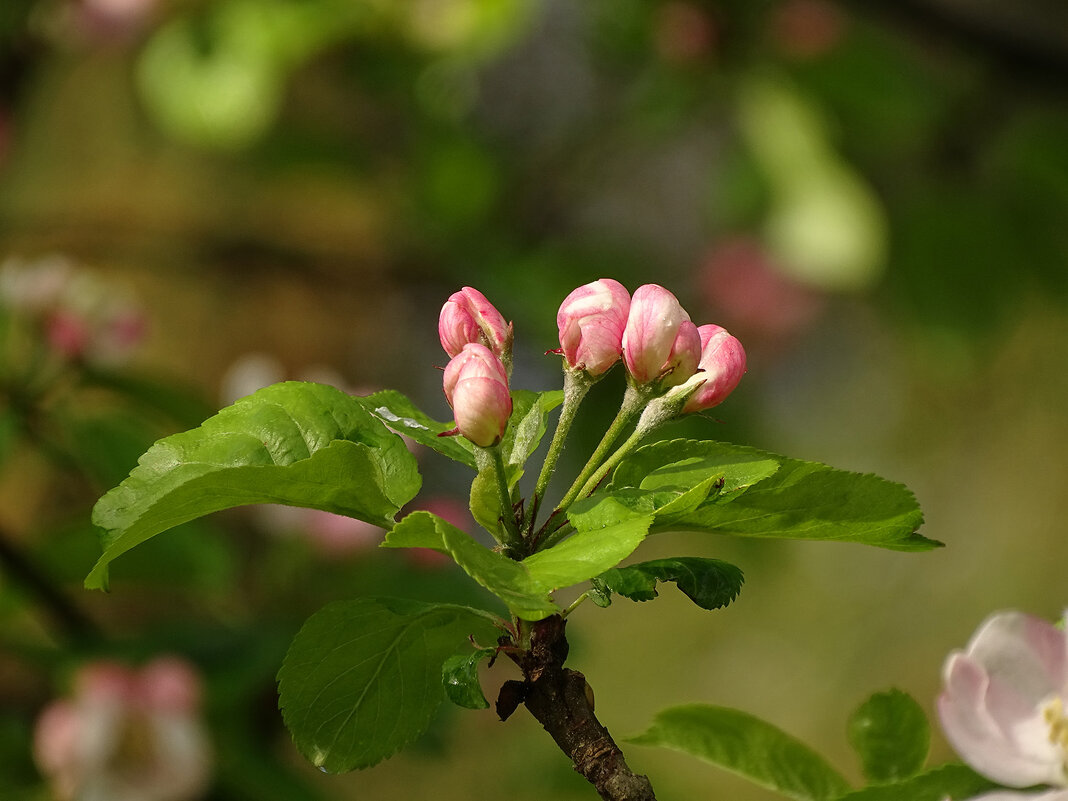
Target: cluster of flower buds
<point x="599" y="324"/>
<point x="126" y="735"/>
<point x="660" y="346"/>
<point x="479" y="342"/>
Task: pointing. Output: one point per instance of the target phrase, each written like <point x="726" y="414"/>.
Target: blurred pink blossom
<point x="741" y="282"/>
<point x="126" y="735"/>
<point x="806" y="29"/>
<point x="81" y="315"/>
<point x="684" y="32"/>
<point x="1003" y="703"/>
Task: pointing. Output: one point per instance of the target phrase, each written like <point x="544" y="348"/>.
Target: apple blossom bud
<point x="468" y="317"/>
<point x="722" y="367"/>
<point x="591" y="321"/>
<point x="656" y="344"/>
<point x="684" y="357"/>
<point x="476" y="387"/>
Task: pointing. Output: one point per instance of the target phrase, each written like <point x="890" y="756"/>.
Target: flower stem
<point x="634" y="401"/>
<point x="654" y="415"/>
<point x="512" y="536"/>
<point x="576" y="384"/>
<point x="575" y="605"/>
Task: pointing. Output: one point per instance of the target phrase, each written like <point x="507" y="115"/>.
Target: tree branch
<point x="65" y="613"/>
<point x="562" y="702"/>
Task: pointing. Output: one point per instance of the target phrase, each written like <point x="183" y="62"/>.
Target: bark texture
<point x="562" y="702"/>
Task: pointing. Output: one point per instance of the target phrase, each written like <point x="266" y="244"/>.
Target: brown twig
<point x="562" y="702"/>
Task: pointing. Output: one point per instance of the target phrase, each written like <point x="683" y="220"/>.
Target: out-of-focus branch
<point x="65" y="613"/>
<point x="1036" y="52"/>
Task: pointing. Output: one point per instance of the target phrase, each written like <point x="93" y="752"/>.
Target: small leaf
<point x="748" y="746"/>
<point x="530" y="412"/>
<point x="362" y="678"/>
<point x="507" y="579"/>
<point x="295" y="443"/>
<point x="952" y="782"/>
<point x="459" y="677"/>
<point x="599" y="593"/>
<point x="709" y="583"/>
<point x="801" y="500"/>
<point x="891" y="734"/>
<point x="485" y="502"/>
<point x="400" y="414"/>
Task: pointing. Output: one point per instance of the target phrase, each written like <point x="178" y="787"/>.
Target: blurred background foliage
<point x="871" y="194"/>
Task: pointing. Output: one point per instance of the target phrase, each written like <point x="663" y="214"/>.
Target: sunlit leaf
<point x="296" y="443"/>
<point x="801" y="500"/>
<point x="400" y="414"/>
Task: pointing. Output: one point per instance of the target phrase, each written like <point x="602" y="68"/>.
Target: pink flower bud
<point x="468" y="317"/>
<point x="684" y="357"/>
<point x="476" y="387"/>
<point x="722" y="365"/>
<point x="656" y="345"/>
<point x="591" y="322"/>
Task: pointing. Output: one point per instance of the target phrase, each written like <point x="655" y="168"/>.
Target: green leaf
<point x="684" y="463"/>
<point x="802" y="500"/>
<point x="709" y="583"/>
<point x="459" y="677"/>
<point x="295" y="443"/>
<point x="585" y="554"/>
<point x="362" y="678"/>
<point x="891" y="734"/>
<point x="664" y="505"/>
<point x="524" y="586"/>
<point x="748" y="746"/>
<point x="530" y="413"/>
<point x="507" y="579"/>
<point x="953" y="782"/>
<point x="485" y="502"/>
<point x="400" y="414"/>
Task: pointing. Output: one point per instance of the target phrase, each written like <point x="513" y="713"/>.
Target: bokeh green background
<point x="873" y="196"/>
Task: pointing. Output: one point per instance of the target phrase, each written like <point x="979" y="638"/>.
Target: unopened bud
<point x="469" y="318"/>
<point x="591" y="321"/>
<point x="476" y="387"/>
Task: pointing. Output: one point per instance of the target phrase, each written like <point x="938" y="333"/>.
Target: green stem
<point x="634" y="401"/>
<point x="512" y="536"/>
<point x="654" y="415"/>
<point x="576" y="384"/>
<point x="578" y="602"/>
